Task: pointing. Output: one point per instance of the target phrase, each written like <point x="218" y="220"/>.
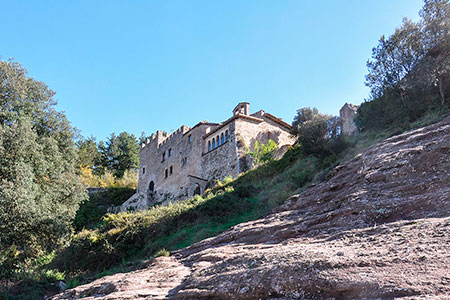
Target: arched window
<point x="209" y="145"/>
<point x="226" y="136"/>
<point x="218" y="141"/>
<point x="214" y="144"/>
<point x="151" y="186"/>
<point x="222" y="138"/>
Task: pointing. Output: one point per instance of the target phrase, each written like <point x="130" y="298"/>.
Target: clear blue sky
<point x="146" y="65"/>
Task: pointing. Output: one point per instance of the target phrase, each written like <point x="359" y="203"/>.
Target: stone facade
<point x="177" y="166"/>
<point x="347" y="116"/>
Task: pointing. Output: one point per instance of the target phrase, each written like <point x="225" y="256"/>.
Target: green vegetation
<point x="262" y="153"/>
<point x="409" y="73"/>
<point x="42" y="172"/>
<point x="133" y="236"/>
<point x="112" y="163"/>
<point x="40" y="190"/>
<point x="92" y="211"/>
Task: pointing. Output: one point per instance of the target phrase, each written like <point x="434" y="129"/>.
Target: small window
<point x="190" y="139"/>
<point x="164" y="156"/>
<point x="209" y="145"/>
<point x="226" y="136"/>
<point x="170" y="152"/>
<point x="222" y="138"/>
<point x="171" y="170"/>
<point x="143" y="170"/>
<point x="167" y="173"/>
<point x="218" y="141"/>
<point x="214" y="144"/>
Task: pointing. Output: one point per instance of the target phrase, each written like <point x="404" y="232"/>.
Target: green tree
<point x="311" y="129"/>
<point x="128" y="154"/>
<point x="436" y="27"/>
<point x="40" y="190"/>
<point x="88" y="154"/>
<point x="263" y="153"/>
<point x="436" y="21"/>
<point x="119" y="153"/>
<point x="393" y="59"/>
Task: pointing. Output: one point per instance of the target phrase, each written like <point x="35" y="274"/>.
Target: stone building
<point x="177" y="166"/>
<point x="347" y="116"/>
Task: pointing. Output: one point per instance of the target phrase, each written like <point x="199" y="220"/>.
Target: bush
<point x="262" y="153"/>
<point x="108" y="180"/>
<point x="92" y="211"/>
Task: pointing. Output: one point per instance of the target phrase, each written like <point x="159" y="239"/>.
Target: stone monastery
<point x="177" y="166"/>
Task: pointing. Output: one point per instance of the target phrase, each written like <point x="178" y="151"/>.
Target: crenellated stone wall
<point x="175" y="167"/>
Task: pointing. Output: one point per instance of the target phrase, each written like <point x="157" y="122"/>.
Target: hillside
<point x="378" y="228"/>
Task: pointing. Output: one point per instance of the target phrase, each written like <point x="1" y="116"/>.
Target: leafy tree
<point x="88" y="154"/>
<point x="263" y="153"/>
<point x="436" y="15"/>
<point x="436" y="27"/>
<point x="119" y="153"/>
<point x="128" y="154"/>
<point x="311" y="129"/>
<point x="40" y="190"/>
<point x="393" y="59"/>
<point x="409" y="73"/>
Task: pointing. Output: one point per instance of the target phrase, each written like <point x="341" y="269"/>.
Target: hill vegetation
<point x="42" y="169"/>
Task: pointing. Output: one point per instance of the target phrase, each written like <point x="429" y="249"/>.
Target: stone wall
<point x="220" y="162"/>
<point x="177" y="166"/>
<point x="249" y="131"/>
<point x="347" y="116"/>
<point x="185" y="147"/>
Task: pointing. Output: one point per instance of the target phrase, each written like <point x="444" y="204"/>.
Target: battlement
<point x="179" y="132"/>
<point x="176" y="166"/>
<point x="160" y="138"/>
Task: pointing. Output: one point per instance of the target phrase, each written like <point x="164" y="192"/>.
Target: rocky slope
<point x="379" y="228"/>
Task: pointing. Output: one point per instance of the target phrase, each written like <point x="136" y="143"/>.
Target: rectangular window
<point x="170" y="152"/>
<point x="164" y="156"/>
<point x="143" y="170"/>
<point x="190" y="139"/>
<point x="171" y="170"/>
<point x="167" y="173"/>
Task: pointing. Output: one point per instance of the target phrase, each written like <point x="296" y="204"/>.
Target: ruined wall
<point x="347" y="115"/>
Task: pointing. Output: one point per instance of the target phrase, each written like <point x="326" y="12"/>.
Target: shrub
<point x="262" y="153"/>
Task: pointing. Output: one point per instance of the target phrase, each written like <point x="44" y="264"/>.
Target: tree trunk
<point x="441" y="92"/>
<point x="402" y="98"/>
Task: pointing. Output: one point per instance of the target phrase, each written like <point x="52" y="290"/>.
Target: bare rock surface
<point x="379" y="228"/>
